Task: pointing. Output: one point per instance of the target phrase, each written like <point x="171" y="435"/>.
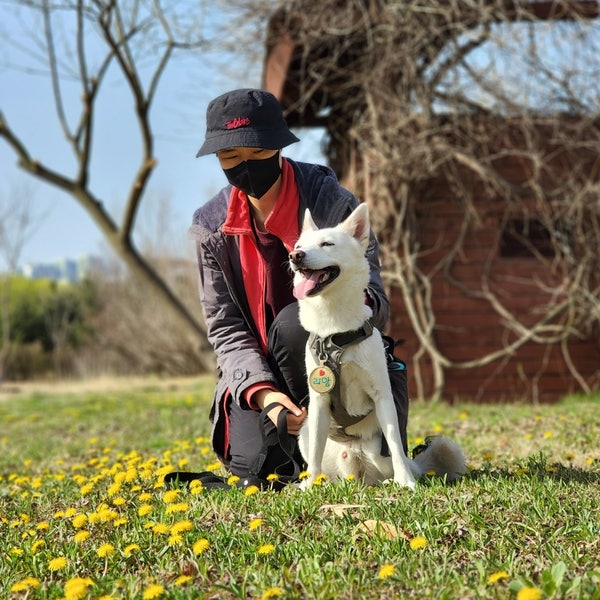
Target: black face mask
<point x="255" y="177"/>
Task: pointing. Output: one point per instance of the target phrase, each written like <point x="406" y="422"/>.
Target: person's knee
<point x="286" y="331"/>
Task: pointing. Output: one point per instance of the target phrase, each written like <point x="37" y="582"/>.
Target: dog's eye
<point x="326" y="243"/>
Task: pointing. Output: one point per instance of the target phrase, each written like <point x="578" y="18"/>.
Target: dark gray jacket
<point x="231" y="329"/>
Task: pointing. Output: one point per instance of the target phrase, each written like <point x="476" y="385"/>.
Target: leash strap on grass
<point x="286" y="442"/>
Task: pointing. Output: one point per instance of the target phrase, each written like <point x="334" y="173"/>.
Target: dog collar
<point x="331" y="348"/>
<point x="328" y="352"/>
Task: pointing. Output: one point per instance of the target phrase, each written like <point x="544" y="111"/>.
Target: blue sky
<point x="63" y="228"/>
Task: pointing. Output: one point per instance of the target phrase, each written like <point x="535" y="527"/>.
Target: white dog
<point x="331" y="273"/>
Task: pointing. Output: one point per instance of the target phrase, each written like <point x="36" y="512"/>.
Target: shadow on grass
<point x="539" y="468"/>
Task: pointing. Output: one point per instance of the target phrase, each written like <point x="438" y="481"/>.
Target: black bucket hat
<point x="245" y="118"/>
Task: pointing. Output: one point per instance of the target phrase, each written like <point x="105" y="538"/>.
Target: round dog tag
<point x="322" y="379"/>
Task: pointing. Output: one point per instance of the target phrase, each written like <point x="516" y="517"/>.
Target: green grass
<point x="527" y="515"/>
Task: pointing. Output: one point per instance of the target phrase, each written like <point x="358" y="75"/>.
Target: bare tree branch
<point x="138" y="38"/>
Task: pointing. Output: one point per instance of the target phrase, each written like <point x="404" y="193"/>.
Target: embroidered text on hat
<point x="237" y="122"/>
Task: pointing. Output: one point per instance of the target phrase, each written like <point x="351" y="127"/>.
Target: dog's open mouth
<point x="313" y="281"/>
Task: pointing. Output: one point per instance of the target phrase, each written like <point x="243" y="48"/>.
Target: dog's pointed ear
<point x="358" y="226"/>
<point x="308" y="223"/>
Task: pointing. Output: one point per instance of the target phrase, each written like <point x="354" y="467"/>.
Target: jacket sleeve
<point x="379" y="300"/>
<point x="240" y="359"/>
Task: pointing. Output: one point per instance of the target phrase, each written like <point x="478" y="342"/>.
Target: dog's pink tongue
<point x="303" y="287"/>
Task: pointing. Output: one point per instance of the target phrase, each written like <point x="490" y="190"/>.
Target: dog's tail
<point x="441" y="456"/>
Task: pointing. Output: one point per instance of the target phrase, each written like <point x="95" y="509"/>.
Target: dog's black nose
<point x="297" y="256"/>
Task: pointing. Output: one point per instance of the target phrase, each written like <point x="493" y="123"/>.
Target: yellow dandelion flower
<point x="255" y="523"/>
<point x="181" y="527"/>
<point x="119" y="501"/>
<point x="162" y="471"/>
<point x="174" y="540"/>
<point x="521" y="471"/>
<point x="130" y="549"/>
<point x="251" y="490"/>
<point x="113" y="489"/>
<point x="200" y="546"/>
<point x="17" y="551"/>
<point x="386" y="571"/>
<point x="119" y="522"/>
<point x="171" y="496"/>
<point x="273" y="477"/>
<point x="37" y="545"/>
<point x="418" y="543"/>
<point x="177" y="508"/>
<point x="272" y="592"/>
<point x="350" y="477"/>
<point x="70" y="512"/>
<point x="144" y="509"/>
<point x="77" y="588"/>
<point x="29" y="583"/>
<point x="42" y="525"/>
<point x="105" y="550"/>
<point x="153" y="591"/>
<point x="232" y="480"/>
<point x="548" y="434"/>
<point x="438" y="428"/>
<point x="196" y="487"/>
<point x="266" y="549"/>
<point x="182" y="580"/>
<point x="529" y="593"/>
<point x="81" y="536"/>
<point x="303" y="475"/>
<point x="84" y="490"/>
<point x="161" y="528"/>
<point x="320" y="479"/>
<point x="58" y="563"/>
<point x="119" y="477"/>
<point x="145" y="497"/>
<point x="497" y="576"/>
<point x="79" y="521"/>
<point x="213" y="466"/>
<point x="463" y="415"/>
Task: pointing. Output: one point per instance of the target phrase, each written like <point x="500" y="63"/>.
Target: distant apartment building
<point x="65" y="269"/>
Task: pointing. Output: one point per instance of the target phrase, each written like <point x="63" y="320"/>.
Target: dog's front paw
<point x="310" y="480"/>
<point x="305" y="484"/>
<point x="407" y="482"/>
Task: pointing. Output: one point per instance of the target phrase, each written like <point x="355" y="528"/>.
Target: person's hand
<point x="295" y="416"/>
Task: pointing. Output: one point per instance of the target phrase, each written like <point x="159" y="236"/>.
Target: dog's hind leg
<point x="388" y="421"/>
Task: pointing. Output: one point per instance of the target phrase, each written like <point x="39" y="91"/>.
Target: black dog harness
<point x="327" y="353"/>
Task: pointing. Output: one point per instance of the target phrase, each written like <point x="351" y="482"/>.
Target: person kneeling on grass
<point x="244" y="235"/>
